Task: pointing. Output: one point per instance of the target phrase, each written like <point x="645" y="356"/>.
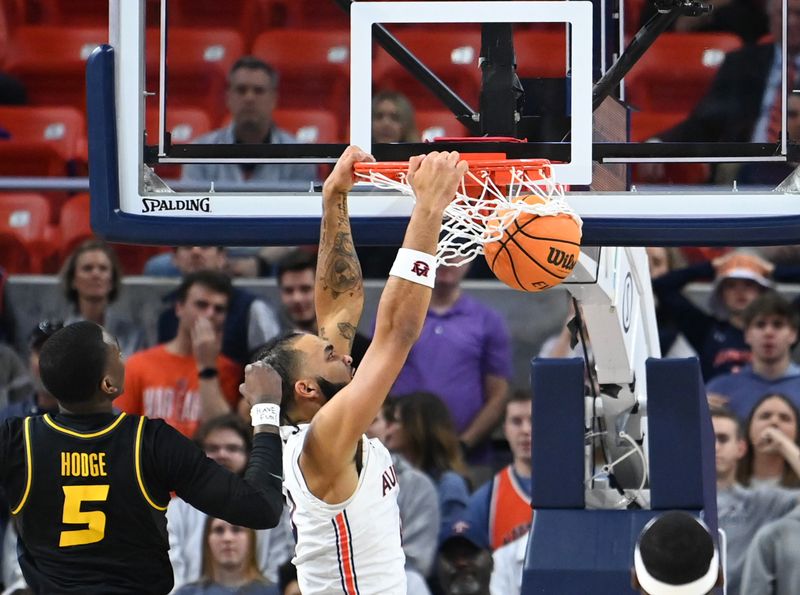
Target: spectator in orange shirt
<point x="187" y="380"/>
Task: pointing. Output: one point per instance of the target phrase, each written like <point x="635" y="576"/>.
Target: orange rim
<point x="396" y="169"/>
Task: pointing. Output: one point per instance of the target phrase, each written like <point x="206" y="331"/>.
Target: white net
<point x="470" y="222"/>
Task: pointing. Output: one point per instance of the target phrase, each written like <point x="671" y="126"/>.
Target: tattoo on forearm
<point x="347" y="330"/>
<point x="343" y="272"/>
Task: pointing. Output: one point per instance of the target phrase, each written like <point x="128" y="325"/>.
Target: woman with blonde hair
<point x="393" y="119"/>
<point x="229" y="562"/>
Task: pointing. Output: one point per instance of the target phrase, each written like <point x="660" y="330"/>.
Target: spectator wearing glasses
<point x="226" y="440"/>
<point x="187" y="380"/>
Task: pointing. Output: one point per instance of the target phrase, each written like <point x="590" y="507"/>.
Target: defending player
<point x="340" y="485"/>
<point x="89" y="488"/>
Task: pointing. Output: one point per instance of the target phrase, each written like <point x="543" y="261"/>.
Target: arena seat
<point x="319" y="14"/>
<point x="75" y="228"/>
<point x="248" y="17"/>
<point x="452" y="55"/>
<point x="677" y="70"/>
<point x="83" y="13"/>
<point x="51" y="62"/>
<point x="26" y="239"/>
<point x="309" y="126"/>
<point x="199" y="60"/>
<point x="314" y="67"/>
<point x="541" y="53"/>
<point x="434" y="123"/>
<point x="183" y="124"/>
<point x="44" y="141"/>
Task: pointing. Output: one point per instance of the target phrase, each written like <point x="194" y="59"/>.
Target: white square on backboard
<point x="577" y="13"/>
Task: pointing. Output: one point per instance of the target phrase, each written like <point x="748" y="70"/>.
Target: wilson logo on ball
<point x="561" y="259"/>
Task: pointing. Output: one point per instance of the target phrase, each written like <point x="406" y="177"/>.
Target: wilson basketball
<point x="535" y="252"/>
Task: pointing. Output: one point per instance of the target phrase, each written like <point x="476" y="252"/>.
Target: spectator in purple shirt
<point x="463" y="355"/>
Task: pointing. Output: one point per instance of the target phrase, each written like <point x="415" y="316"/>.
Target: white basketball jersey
<point x="353" y="547"/>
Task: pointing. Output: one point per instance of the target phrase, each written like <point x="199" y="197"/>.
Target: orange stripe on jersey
<point x="344" y="549"/>
<point x="510" y="511"/>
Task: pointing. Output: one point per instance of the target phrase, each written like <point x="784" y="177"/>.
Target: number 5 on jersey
<point x="74" y="497"/>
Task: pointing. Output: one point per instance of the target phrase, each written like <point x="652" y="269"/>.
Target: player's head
<point x="190" y="259"/>
<point x="770" y="328"/>
<point x="252" y="93"/>
<point x="393" y="119"/>
<point x="730" y="445"/>
<point x="517" y="425"/>
<point x="204" y="294"/>
<point x="91" y="272"/>
<point x="227" y="440"/>
<point x="424" y="433"/>
<point x="676" y="555"/>
<point x="229" y="551"/>
<point x="738" y="282"/>
<point x="311" y="372"/>
<point x="82" y="363"/>
<point x="295" y="273"/>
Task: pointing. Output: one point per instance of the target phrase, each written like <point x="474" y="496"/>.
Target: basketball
<point x="535" y="252"/>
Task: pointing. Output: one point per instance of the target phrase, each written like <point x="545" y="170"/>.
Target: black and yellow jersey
<point x="89" y="495"/>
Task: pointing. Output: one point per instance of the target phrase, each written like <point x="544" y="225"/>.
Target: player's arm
<point x="336" y="428"/>
<point x="255" y="500"/>
<point x="339" y="287"/>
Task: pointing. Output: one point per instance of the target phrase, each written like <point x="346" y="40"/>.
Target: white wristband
<point x="415" y="266"/>
<point x="266" y="414"/>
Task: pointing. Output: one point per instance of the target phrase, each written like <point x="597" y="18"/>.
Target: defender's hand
<point x="342" y="178"/>
<point x="262" y="384"/>
<point x="435" y="177"/>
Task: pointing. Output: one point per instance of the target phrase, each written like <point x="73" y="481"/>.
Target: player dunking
<point x="89" y="488"/>
<point x="340" y="485"/>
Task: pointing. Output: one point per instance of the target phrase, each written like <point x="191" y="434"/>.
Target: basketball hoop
<point x="492" y="194"/>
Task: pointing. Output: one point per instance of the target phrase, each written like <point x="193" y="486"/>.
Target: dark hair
<point x="279" y="353"/>
<point x="287" y="574"/>
<point x="770" y="303"/>
<point x="213" y="280"/>
<point x="744" y="470"/>
<point x="70" y="265"/>
<point x="675" y="548"/>
<point x="430" y="435"/>
<point x="519" y="395"/>
<point x="228" y="421"/>
<point x="253" y="63"/>
<point x="725" y="413"/>
<point x="295" y="261"/>
<point x="42" y="332"/>
<point x="72" y="362"/>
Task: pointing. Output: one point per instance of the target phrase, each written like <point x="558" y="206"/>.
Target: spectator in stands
<point x="739" y="106"/>
<point x="772" y="565"/>
<point x="770" y="330"/>
<point x="91" y="278"/>
<point x="229" y="562"/>
<point x="464" y="564"/>
<point x="422" y="431"/>
<point x="772" y="173"/>
<point x="251" y="98"/>
<point x="393" y="119"/>
<point x="226" y="440"/>
<point x="508" y="562"/>
<point x="296" y="274"/>
<point x="773" y="444"/>
<point x="187" y="380"/>
<point x="500" y="510"/>
<point x="672" y="341"/>
<point x="676" y="553"/>
<point x="741" y="510"/>
<point x="463" y="355"/>
<point x="718" y="338"/>
<point x="35" y="400"/>
<point x="249" y="322"/>
<point x="418" y="500"/>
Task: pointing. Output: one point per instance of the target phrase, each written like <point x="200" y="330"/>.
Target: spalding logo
<point x="561" y="259"/>
<point x="201" y="205"/>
